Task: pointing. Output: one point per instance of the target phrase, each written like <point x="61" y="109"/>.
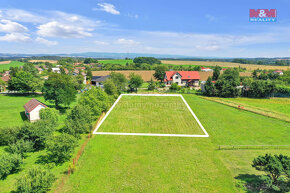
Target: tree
<point x="9" y="135"/>
<point x="96" y="101"/>
<point x="147" y="60"/>
<point x="90" y="60"/>
<point x="135" y="81"/>
<point x="160" y="73"/>
<point x="3" y="85"/>
<point x="89" y="74"/>
<point x="37" y="132"/>
<point x="262" y="88"/>
<point x="274" y="166"/>
<point x="78" y="121"/>
<point x="9" y="163"/>
<point x="151" y="85"/>
<point x="110" y="87"/>
<point x="216" y="72"/>
<point x="21" y="147"/>
<point x="174" y="86"/>
<point x="29" y="67"/>
<point x="60" y="89"/>
<point x="119" y="80"/>
<point x="60" y="148"/>
<point x="50" y="115"/>
<point x="37" y="179"/>
<point x="209" y="87"/>
<point x="24" y="82"/>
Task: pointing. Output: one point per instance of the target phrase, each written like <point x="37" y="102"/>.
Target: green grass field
<point x="142" y="114"/>
<point x="123" y="62"/>
<point x="174" y="164"/>
<point x="11" y="64"/>
<point x="279" y="105"/>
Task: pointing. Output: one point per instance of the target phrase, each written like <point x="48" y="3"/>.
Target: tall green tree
<point x="160" y="73"/>
<point x="24" y="82"/>
<point x="216" y="72"/>
<point x="209" y="87"/>
<point x="119" y="80"/>
<point x="110" y="87"/>
<point x="60" y="89"/>
<point x="135" y="81"/>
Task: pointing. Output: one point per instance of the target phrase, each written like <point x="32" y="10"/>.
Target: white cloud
<point x="101" y="43"/>
<point x="45" y="41"/>
<point x="21" y="15"/>
<point x="126" y="42"/>
<point x="15" y="37"/>
<point x="57" y="29"/>
<point x="210" y="17"/>
<point x="136" y="16"/>
<point x="107" y="7"/>
<point x="10" y="26"/>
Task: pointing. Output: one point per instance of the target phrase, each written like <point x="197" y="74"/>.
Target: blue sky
<point x="185" y="27"/>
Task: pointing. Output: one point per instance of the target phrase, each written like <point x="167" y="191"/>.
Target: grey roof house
<point x="98" y="80"/>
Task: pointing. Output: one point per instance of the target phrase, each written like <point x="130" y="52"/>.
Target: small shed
<point x="32" y="109"/>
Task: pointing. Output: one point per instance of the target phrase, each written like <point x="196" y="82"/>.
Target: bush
<point x="151" y="85"/>
<point x="36" y="180"/>
<point x="79" y="121"/>
<point x="9" y="163"/>
<point x="8" y="135"/>
<point x="50" y="114"/>
<point x="37" y="132"/>
<point x="21" y="147"/>
<point x="60" y="147"/>
<point x="174" y="86"/>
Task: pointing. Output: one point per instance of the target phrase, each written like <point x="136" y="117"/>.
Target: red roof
<point x="185" y="75"/>
<point x="278" y="71"/>
<point x="32" y="104"/>
<point x="5" y="78"/>
<point x="204" y="68"/>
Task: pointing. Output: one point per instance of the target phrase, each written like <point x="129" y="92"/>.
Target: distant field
<point x="50" y="61"/>
<point x="5" y="62"/>
<point x="225" y="64"/>
<point x="123" y="62"/>
<point x="142" y="114"/>
<point x="280" y="105"/>
<point x="173" y="164"/>
<point x="11" y="64"/>
<point x="146" y="75"/>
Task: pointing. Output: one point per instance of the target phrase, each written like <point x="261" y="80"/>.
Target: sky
<point x="200" y="28"/>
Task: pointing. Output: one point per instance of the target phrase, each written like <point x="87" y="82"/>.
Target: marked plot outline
<point x="151" y="134"/>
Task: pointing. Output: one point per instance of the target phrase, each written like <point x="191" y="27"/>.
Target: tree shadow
<point x="253" y="183"/>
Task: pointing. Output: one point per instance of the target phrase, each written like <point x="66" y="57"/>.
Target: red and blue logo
<point x="263" y="15"/>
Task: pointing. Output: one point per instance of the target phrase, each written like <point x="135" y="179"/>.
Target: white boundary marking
<point x="150" y="134"/>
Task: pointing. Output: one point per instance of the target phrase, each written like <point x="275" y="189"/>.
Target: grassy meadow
<point x="11" y="64"/>
<point x="175" y="164"/>
<point x="141" y="114"/>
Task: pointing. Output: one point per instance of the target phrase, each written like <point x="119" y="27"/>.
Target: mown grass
<point x="122" y="62"/>
<point x="151" y="114"/>
<point x="11" y="64"/>
<point x="280" y="105"/>
<point x="172" y="164"/>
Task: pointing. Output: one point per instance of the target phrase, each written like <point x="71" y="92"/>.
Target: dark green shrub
<point x="8" y="135"/>
<point x="50" y="114"/>
<point x="21" y="147"/>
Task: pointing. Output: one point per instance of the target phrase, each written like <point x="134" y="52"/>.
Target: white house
<point x="99" y="80"/>
<point x="182" y="78"/>
<point x="32" y="109"/>
<point x="279" y="72"/>
<point x="56" y="70"/>
<point x="203" y="69"/>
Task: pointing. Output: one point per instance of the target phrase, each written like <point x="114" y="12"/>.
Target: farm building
<point x="32" y="109"/>
<point x="99" y="80"/>
<point x="203" y="69"/>
<point x="279" y="72"/>
<point x="182" y="78"/>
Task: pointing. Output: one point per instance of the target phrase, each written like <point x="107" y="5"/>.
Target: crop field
<point x="113" y="163"/>
<point x="122" y="62"/>
<point x="5" y="66"/>
<point x="141" y="114"/>
<point x="225" y="64"/>
<point x="50" y="61"/>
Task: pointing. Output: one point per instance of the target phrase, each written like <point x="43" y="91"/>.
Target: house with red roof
<point x="279" y="72"/>
<point x="182" y="78"/>
<point x="203" y="69"/>
<point x="32" y="109"/>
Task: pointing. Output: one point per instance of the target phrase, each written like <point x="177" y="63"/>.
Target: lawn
<point x="174" y="164"/>
<point x="141" y="114"/>
<point x="11" y="64"/>
<point x="122" y="62"/>
<point x="278" y="105"/>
